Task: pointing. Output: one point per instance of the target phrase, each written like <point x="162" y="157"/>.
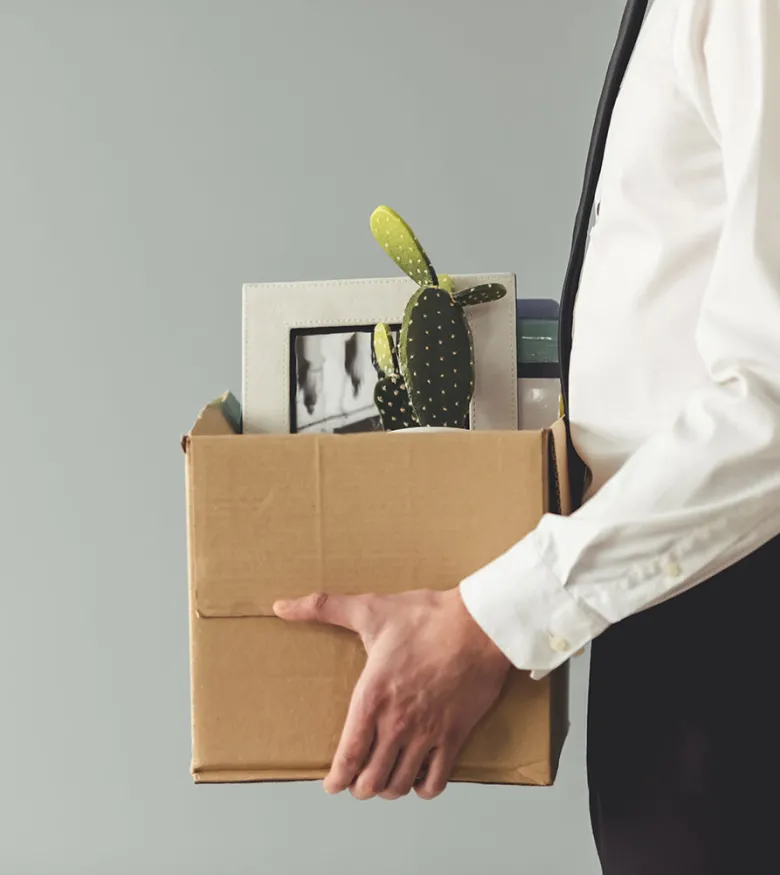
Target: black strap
<point x="630" y="26"/>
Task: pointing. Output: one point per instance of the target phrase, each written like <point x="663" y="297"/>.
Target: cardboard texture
<point x="273" y="516"/>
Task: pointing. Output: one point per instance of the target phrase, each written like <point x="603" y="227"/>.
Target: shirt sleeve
<point x="703" y="493"/>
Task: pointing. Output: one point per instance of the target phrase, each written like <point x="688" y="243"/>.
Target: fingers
<point x="319" y="607"/>
<point x="369" y="757"/>
<point x="355" y="744"/>
<point x="409" y="768"/>
<point x="434" y="782"/>
<point x="374" y="777"/>
<point x="377" y="758"/>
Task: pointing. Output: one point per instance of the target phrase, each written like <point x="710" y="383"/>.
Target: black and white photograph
<point x="334" y="379"/>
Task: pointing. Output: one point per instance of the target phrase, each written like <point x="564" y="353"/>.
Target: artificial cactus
<point x="390" y="393"/>
<point x="398" y="240"/>
<point x="483" y="294"/>
<point x="384" y="351"/>
<point x="436" y="358"/>
<point x="436" y="352"/>
<point x="445" y="282"/>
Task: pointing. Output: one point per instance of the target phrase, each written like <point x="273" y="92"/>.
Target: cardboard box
<point x="274" y="516"/>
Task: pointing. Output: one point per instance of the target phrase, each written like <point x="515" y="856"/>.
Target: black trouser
<point x="683" y="730"/>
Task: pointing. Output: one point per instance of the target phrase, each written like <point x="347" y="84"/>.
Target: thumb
<point x="319" y="607"/>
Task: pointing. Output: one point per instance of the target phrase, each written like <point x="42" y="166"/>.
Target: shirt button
<point x="560" y="645"/>
<point x="672" y="569"/>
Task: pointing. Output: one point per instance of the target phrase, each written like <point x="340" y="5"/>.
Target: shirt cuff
<point x="528" y="613"/>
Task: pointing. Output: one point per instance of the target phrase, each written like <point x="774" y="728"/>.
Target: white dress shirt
<point x="675" y="368"/>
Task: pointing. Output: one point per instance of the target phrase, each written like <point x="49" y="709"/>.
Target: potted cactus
<point x="428" y="382"/>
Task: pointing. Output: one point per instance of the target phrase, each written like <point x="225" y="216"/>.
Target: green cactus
<point x="392" y="401"/>
<point x="445" y="282"/>
<point x="390" y="394"/>
<point x="436" y="353"/>
<point x="436" y="358"/>
<point x="483" y="294"/>
<point x="384" y="352"/>
<point x="398" y="239"/>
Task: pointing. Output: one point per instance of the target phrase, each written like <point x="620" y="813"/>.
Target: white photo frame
<point x="275" y="314"/>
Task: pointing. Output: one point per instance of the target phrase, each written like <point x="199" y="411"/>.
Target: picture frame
<point x="280" y="320"/>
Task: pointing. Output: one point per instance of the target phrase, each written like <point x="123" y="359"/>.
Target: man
<point x="670" y="565"/>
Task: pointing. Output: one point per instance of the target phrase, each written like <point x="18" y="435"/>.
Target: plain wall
<point x="154" y="156"/>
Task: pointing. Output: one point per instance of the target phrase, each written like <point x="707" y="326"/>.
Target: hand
<point x="431" y="674"/>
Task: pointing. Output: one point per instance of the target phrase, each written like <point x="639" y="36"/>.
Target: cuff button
<point x="672" y="570"/>
<point x="558" y="644"/>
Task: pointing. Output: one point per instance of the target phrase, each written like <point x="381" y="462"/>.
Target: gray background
<point x="154" y="156"/>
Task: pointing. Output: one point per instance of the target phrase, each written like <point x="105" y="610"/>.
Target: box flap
<point x="279" y="516"/>
<point x="220" y="416"/>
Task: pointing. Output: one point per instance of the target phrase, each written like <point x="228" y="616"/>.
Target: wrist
<point x="482" y="642"/>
